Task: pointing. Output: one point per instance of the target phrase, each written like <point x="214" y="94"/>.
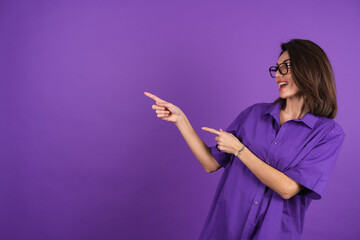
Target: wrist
<point x="237" y="147"/>
<point x="181" y="120"/>
<point x="239" y="150"/>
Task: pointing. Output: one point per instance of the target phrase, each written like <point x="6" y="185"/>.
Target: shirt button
<point x="256" y="202"/>
<point x="268" y="162"/>
<point x="275" y="142"/>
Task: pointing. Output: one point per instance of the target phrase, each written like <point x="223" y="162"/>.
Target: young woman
<point x="277" y="157"/>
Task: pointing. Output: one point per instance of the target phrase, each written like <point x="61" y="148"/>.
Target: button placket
<point x="254" y="209"/>
<point x="275" y="143"/>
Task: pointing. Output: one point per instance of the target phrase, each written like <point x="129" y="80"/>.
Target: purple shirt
<point x="303" y="149"/>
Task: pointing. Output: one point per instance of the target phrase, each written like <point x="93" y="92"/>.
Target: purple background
<point x="83" y="155"/>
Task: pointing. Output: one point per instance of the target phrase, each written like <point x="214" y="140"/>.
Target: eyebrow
<point x="282" y="62"/>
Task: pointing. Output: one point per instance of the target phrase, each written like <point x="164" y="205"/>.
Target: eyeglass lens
<point x="283" y="69"/>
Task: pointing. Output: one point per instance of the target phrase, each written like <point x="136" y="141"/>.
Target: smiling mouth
<point x="283" y="85"/>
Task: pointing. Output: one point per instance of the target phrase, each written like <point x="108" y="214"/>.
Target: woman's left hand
<point x="226" y="141"/>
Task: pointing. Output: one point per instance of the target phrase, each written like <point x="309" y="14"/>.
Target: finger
<point x="164" y="104"/>
<point x="160" y="115"/>
<point x="152" y="96"/>
<point x="157" y="107"/>
<point x="210" y="130"/>
<point x="161" y="111"/>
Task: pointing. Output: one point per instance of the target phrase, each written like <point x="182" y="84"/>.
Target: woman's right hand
<point x="165" y="110"/>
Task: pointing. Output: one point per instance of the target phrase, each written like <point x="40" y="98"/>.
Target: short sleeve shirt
<point x="304" y="149"/>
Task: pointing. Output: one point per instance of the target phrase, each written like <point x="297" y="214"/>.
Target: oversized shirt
<point x="303" y="149"/>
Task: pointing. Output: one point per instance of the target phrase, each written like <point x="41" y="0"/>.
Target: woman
<point x="277" y="157"/>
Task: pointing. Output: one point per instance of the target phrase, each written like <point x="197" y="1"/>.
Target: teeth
<point x="282" y="83"/>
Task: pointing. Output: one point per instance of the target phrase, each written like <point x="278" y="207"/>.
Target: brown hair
<point x="313" y="75"/>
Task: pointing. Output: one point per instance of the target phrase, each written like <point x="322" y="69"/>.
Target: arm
<point x="197" y="146"/>
<point x="171" y="113"/>
<point x="270" y="176"/>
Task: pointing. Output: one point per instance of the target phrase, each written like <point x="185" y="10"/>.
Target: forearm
<point x="271" y="177"/>
<point x="197" y="146"/>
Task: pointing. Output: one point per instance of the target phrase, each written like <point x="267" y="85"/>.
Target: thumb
<point x="221" y="130"/>
<point x="162" y="103"/>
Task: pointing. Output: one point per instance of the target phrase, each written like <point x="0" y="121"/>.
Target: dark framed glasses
<point x="282" y="67"/>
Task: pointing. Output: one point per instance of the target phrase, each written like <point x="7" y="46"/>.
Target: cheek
<point x="291" y="82"/>
<point x="289" y="78"/>
<point x="292" y="86"/>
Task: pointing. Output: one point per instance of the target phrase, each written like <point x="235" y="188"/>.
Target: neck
<point x="293" y="107"/>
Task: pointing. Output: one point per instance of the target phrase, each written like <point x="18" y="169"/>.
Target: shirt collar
<point x="274" y="110"/>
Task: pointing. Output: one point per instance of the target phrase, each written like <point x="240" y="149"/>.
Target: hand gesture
<point x="165" y="110"/>
<point x="227" y="142"/>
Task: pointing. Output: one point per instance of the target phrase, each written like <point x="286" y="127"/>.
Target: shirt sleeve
<point x="224" y="158"/>
<point x="314" y="170"/>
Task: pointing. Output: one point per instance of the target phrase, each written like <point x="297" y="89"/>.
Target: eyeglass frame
<point x="277" y="67"/>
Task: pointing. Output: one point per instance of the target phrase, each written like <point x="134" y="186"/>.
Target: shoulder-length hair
<point x="313" y="75"/>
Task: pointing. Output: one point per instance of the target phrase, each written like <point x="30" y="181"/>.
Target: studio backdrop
<point x="84" y="156"/>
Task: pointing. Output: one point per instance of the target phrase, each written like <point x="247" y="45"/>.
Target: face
<point x="290" y="90"/>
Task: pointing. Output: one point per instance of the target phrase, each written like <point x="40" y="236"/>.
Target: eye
<point x="283" y="68"/>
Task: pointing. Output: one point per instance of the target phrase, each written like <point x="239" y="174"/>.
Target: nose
<point x="277" y="74"/>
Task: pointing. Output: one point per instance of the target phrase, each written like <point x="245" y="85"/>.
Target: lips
<point x="282" y="87"/>
<point x="282" y="84"/>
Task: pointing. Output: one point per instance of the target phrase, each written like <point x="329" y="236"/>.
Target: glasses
<point x="282" y="67"/>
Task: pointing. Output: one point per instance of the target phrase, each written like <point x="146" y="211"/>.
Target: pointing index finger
<point x="211" y="130"/>
<point x="152" y="96"/>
